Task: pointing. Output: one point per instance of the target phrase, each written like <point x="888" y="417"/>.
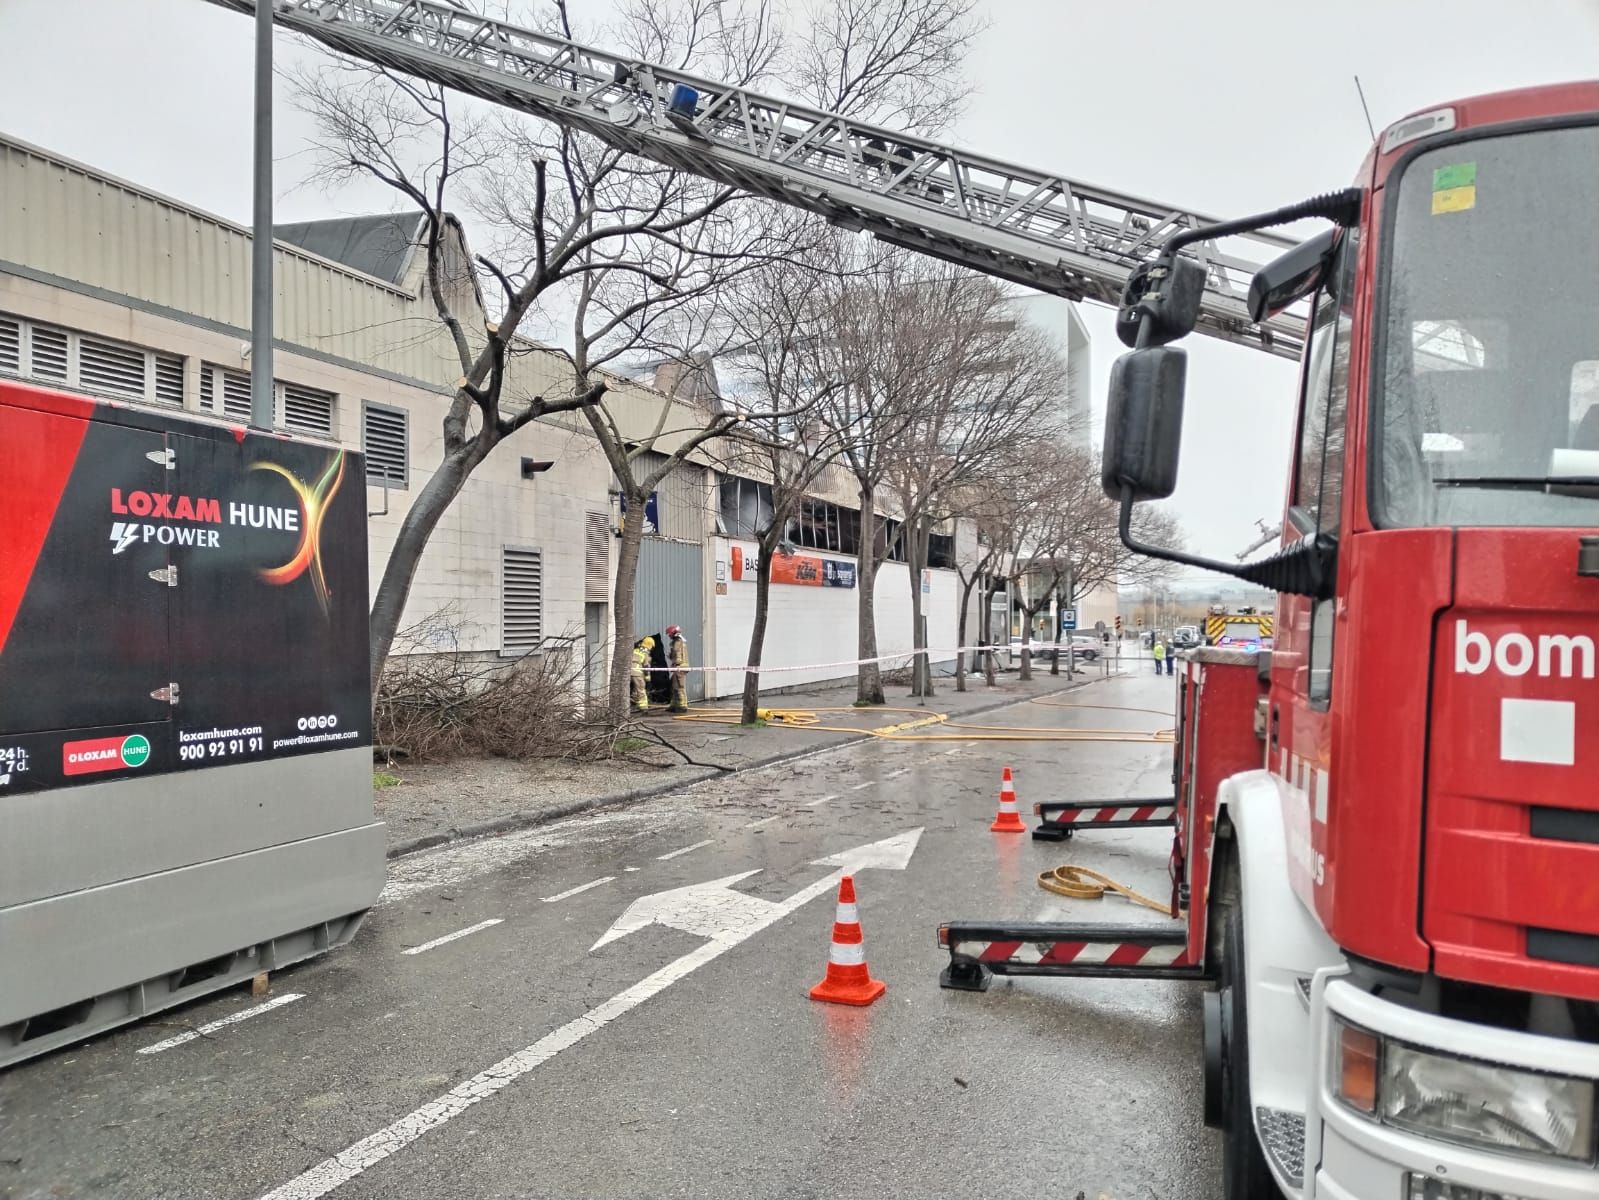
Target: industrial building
<point x="111" y="289"/>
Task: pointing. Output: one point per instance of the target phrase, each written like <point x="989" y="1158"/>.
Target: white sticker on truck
<point x="1538" y="731"/>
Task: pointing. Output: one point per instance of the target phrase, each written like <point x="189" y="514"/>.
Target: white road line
<point x="952" y="750"/>
<point x="819" y="803"/>
<point x="450" y="937"/>
<point x="582" y="887"/>
<point x="763" y="821"/>
<point x="898" y="773"/>
<point x="213" y="1026"/>
<point x="630" y="868"/>
<point x="859" y="786"/>
<point x="684" y="850"/>
<point x="333" y="1172"/>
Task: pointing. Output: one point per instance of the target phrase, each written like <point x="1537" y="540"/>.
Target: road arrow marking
<point x="711" y="910"/>
<point x="714" y="910"/>
<point x="891" y="853"/>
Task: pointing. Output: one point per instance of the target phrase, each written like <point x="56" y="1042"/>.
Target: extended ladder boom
<point x="1041" y="230"/>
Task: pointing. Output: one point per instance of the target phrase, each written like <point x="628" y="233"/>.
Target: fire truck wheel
<point x="1244" y="1171"/>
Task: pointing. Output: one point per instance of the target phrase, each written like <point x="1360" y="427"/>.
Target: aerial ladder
<point x="1041" y="230"/>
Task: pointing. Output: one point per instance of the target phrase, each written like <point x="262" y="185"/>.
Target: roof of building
<point x="693" y="381"/>
<point x="378" y="245"/>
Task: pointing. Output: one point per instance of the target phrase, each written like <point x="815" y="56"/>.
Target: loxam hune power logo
<point x="168" y="519"/>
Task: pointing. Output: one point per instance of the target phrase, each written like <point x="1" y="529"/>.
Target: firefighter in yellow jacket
<point x="677" y="658"/>
<point x="641" y="660"/>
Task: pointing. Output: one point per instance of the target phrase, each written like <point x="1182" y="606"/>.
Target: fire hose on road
<point x="810" y="719"/>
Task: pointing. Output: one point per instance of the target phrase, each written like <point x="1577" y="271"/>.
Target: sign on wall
<point x="802" y="570"/>
<point x="838" y="573"/>
<point x="652" y="512"/>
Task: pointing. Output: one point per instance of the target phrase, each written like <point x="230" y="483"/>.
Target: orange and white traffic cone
<point x="1008" y="820"/>
<point x="847" y="980"/>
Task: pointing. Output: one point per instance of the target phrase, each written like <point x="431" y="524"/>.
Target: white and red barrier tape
<point x="907" y="655"/>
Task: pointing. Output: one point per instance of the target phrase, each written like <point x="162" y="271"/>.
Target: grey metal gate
<point x="671" y="591"/>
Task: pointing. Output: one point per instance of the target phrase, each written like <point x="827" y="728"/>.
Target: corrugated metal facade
<point x="57" y="218"/>
<point x="671" y="591"/>
<point x="681" y="500"/>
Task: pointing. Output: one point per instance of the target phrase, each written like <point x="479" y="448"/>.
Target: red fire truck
<point x="1387" y="829"/>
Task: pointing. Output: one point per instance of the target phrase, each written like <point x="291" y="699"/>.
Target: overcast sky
<point x="1225" y="108"/>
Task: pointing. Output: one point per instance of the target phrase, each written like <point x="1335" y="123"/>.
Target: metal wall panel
<point x="218" y="812"/>
<point x="57" y="218"/>
<point x="62" y="219"/>
<point x="70" y="948"/>
<point x="681" y="498"/>
<point x="671" y="591"/>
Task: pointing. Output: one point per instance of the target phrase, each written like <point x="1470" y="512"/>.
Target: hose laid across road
<point x="810" y="719"/>
<point x="1080" y="883"/>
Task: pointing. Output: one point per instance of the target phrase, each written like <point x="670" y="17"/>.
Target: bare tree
<point x="789" y="314"/>
<point x="977" y="382"/>
<point x="1004" y="502"/>
<point x="1074" y="544"/>
<point x="638" y="254"/>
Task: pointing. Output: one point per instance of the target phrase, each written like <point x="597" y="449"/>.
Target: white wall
<point x="814" y="625"/>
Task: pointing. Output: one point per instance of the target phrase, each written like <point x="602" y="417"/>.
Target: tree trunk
<point x="1026" y="672"/>
<point x="916" y="559"/>
<point x="421" y="519"/>
<point x="622" y="605"/>
<point x="763" y="595"/>
<point x="1054" y="665"/>
<point x="990" y="676"/>
<point x="869" y="675"/>
<point x="960" y="630"/>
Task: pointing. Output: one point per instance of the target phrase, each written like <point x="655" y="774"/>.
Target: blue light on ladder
<point x="684" y="101"/>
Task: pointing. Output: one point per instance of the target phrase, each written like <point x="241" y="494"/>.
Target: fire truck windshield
<point x="1486" y="404"/>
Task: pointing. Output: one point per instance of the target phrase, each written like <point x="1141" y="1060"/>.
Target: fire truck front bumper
<point x="1413" y="1106"/>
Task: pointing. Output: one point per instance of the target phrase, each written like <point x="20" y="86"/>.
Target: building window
<point x="305" y="410"/>
<point x="226" y="393"/>
<point x="10" y="346"/>
<point x="744" y="506"/>
<point x="745" y="509"/>
<point x="521" y="601"/>
<point x="71" y="359"/>
<point x="385" y="440"/>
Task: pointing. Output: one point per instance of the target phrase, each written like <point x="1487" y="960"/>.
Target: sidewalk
<point x="434" y="804"/>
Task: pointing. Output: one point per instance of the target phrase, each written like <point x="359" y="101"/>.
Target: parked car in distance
<point x="1186" y="637"/>
<point x="1086" y="647"/>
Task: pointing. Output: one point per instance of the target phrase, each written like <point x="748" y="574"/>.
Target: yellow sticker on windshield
<point x="1454" y="188"/>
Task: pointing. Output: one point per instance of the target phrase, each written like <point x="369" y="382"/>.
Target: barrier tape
<point x="939" y="654"/>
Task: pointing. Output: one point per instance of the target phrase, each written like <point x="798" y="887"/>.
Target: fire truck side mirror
<point x="1144" y="423"/>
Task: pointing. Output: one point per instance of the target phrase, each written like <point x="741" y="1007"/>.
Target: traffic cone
<point x="1008" y="820"/>
<point x="847" y="980"/>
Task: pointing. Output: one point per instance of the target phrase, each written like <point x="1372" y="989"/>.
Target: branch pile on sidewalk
<point x="434" y="802"/>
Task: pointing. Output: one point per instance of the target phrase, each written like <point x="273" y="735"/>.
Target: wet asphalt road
<point x="725" y="1082"/>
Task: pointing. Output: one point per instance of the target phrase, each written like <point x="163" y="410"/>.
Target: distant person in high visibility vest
<point x="1159" y="652"/>
<point x="677" y="658"/>
<point x="641" y="658"/>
